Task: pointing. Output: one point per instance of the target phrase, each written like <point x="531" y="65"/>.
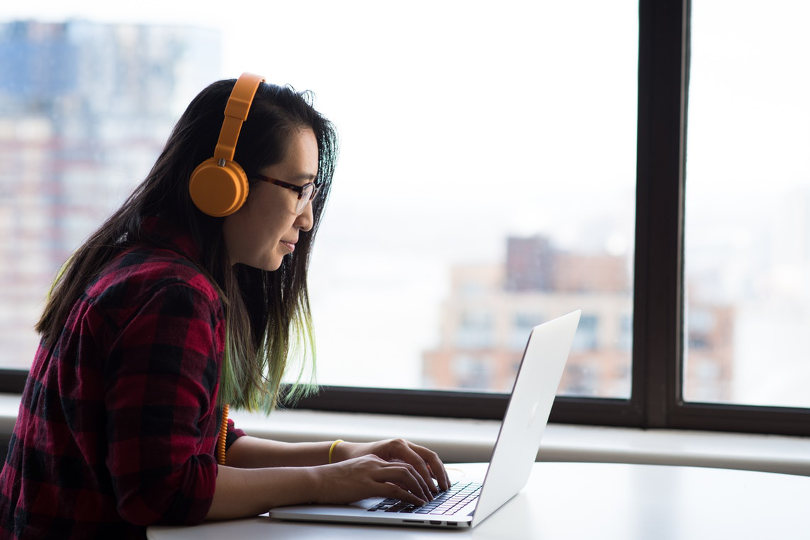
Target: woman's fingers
<point x="434" y="464"/>
<point x="422" y="468"/>
<point x="370" y="476"/>
<point x="409" y="466"/>
<point x="426" y="462"/>
<point x="400" y="474"/>
<point x="406" y="477"/>
<point x="394" y="491"/>
<point x="416" y="484"/>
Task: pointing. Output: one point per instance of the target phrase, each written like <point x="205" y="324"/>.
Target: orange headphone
<point x="219" y="186"/>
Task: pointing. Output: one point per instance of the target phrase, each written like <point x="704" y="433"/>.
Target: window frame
<point x="656" y="390"/>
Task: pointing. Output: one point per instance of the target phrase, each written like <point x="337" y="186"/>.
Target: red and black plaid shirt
<point x="118" y="420"/>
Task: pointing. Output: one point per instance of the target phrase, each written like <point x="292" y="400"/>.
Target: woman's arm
<point x="251" y="453"/>
<point x="249" y="492"/>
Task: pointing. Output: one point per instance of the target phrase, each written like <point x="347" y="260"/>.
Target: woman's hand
<point x="425" y="462"/>
<point x="370" y="476"/>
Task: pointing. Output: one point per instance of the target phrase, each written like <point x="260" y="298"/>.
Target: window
<point x="461" y="196"/>
<point x="501" y="181"/>
<point x="513" y="163"/>
<point x="747" y="240"/>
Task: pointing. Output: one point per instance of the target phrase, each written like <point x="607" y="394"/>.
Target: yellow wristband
<point x="332" y="448"/>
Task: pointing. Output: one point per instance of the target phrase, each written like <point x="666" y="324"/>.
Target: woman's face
<point x="267" y="227"/>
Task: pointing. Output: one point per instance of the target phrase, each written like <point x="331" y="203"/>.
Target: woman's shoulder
<point x="143" y="270"/>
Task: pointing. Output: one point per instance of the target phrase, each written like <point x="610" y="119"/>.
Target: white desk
<point x="590" y="501"/>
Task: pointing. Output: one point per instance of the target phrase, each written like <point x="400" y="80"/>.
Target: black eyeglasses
<point x="306" y="192"/>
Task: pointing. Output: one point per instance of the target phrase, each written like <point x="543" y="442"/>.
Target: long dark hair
<point x="267" y="313"/>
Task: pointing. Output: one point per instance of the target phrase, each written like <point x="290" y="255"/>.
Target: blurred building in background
<point x="85" y="109"/>
<point x="491" y="309"/>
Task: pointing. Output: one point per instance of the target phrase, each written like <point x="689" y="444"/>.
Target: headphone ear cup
<point x="218" y="190"/>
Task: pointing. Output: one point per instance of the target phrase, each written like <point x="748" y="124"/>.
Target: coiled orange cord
<point x="223" y="435"/>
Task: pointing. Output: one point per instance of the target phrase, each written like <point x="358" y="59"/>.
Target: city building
<point x="492" y="307"/>
<point x="82" y="119"/>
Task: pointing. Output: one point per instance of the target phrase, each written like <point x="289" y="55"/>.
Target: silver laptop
<point x="466" y="503"/>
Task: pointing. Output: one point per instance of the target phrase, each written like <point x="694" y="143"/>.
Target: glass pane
<point x="510" y="199"/>
<point x="747" y="254"/>
<point x="486" y="181"/>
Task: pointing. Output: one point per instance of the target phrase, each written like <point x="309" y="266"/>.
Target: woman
<point x="187" y="299"/>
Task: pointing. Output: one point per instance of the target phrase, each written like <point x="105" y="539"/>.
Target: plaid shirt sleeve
<point x="233" y="434"/>
<point x="162" y="375"/>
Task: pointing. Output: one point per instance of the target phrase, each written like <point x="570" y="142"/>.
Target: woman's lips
<point x="288" y="245"/>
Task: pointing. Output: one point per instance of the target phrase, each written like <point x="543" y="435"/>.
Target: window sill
<point x="459" y="440"/>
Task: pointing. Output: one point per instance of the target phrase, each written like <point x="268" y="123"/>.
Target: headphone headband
<point x="236" y="112"/>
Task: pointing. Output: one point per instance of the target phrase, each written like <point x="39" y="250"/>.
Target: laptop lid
<point x="527" y="414"/>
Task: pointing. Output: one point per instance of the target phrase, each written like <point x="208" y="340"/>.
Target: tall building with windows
<point x="491" y="309"/>
<point x="84" y="111"/>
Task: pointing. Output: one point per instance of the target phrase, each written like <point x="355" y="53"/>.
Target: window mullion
<point x="659" y="219"/>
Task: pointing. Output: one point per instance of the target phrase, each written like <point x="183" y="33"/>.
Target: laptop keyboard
<point x="447" y="502"/>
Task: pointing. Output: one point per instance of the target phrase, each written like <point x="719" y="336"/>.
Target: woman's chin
<point x="268" y="265"/>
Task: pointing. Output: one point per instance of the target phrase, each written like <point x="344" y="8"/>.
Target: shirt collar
<point x="169" y="235"/>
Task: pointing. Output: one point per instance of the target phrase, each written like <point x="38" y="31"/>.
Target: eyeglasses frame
<point x="298" y="189"/>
